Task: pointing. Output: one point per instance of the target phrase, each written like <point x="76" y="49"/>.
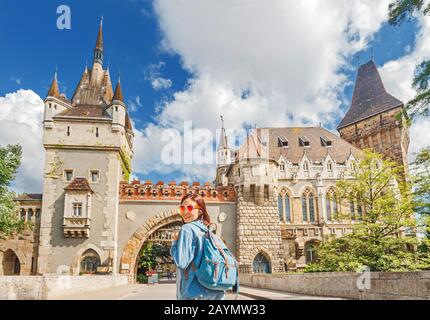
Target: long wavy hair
<point x="203" y="213"/>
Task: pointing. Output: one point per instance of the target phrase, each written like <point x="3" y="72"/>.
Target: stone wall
<point x="54" y="287"/>
<point x="259" y="232"/>
<point x="382" y="133"/>
<point x="389" y="285"/>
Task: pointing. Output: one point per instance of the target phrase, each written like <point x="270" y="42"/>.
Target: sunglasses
<point x="189" y="208"/>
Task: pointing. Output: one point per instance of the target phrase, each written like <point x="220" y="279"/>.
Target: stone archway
<point x="11" y="264"/>
<point x="128" y="264"/>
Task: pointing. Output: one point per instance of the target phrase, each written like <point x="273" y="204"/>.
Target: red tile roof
<point x="79" y="184"/>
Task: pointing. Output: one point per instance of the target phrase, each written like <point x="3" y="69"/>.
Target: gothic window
<point x="90" y="262"/>
<point x="352" y="166"/>
<point x="311" y="255"/>
<point x="280" y="208"/>
<point x="330" y="166"/>
<point x="306" y="166"/>
<point x="308" y="206"/>
<point x="287" y="208"/>
<point x="261" y="264"/>
<point x="331" y="204"/>
<point x="360" y="212"/>
<point x="77" y="209"/>
<point x="68" y="131"/>
<point x="284" y="207"/>
<point x="282" y="167"/>
<point x="352" y="209"/>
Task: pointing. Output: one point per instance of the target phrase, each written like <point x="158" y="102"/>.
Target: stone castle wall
<point x="383" y="133"/>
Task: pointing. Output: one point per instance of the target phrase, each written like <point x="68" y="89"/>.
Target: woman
<point x="187" y="250"/>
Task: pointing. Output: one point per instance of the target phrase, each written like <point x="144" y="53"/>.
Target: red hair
<point x="203" y="213"/>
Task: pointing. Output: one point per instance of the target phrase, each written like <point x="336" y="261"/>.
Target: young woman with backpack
<point x="205" y="267"/>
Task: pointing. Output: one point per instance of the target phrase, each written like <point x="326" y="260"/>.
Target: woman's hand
<point x="175" y="235"/>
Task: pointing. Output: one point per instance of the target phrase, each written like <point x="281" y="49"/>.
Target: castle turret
<point x="224" y="158"/>
<point x="375" y="119"/>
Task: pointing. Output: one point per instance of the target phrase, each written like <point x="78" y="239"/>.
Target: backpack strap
<point x="216" y="244"/>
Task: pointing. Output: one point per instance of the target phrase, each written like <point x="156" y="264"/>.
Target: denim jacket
<point x="186" y="249"/>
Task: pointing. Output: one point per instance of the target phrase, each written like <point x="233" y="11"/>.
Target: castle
<point x="273" y="200"/>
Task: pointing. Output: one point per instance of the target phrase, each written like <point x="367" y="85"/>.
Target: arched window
<point x="287" y="208"/>
<point x="306" y="166"/>
<point x="360" y="212"/>
<point x="308" y="206"/>
<point x="331" y="204"/>
<point x="90" y="262"/>
<point x="311" y="253"/>
<point x="280" y="208"/>
<point x="284" y="207"/>
<point x="352" y="209"/>
<point x="330" y="166"/>
<point x="261" y="264"/>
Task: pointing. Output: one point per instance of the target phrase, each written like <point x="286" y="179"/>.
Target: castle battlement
<point x="148" y="191"/>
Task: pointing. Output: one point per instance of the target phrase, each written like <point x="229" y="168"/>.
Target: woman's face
<point x="190" y="216"/>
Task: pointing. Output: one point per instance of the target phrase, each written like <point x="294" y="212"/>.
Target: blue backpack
<point x="218" y="269"/>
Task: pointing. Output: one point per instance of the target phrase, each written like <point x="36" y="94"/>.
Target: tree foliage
<point x="10" y="159"/>
<point x="384" y="238"/>
<point x="399" y="12"/>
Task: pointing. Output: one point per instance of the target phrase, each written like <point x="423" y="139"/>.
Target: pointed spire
<point x="370" y="97"/>
<point x="53" y="90"/>
<point x="98" y="50"/>
<point x="223" y="138"/>
<point x="99" y="43"/>
<point x="118" y="91"/>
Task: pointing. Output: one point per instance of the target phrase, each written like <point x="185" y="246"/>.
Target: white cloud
<point x="286" y="56"/>
<point x="161" y="83"/>
<point x="21" y="115"/>
<point x="397" y="76"/>
<point x="153" y="74"/>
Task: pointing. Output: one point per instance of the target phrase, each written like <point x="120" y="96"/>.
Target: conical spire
<point x="223" y="138"/>
<point x="98" y="50"/>
<point x="118" y="92"/>
<point x="99" y="43"/>
<point x="53" y="90"/>
<point x="370" y="97"/>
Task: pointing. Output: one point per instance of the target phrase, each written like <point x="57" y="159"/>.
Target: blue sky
<point x="147" y="41"/>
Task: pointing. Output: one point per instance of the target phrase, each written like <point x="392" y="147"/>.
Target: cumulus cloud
<point x="21" y="115"/>
<point x="398" y="74"/>
<point x="269" y="65"/>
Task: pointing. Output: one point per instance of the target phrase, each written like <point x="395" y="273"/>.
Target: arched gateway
<point x="131" y="250"/>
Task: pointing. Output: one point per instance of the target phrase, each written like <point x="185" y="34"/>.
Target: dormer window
<point x="282" y="142"/>
<point x="326" y="142"/>
<point x="330" y="166"/>
<point x="304" y="142"/>
<point x="306" y="166"/>
<point x="282" y="167"/>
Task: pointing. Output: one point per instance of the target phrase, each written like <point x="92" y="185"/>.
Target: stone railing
<point x="349" y="285"/>
<point x="54" y="287"/>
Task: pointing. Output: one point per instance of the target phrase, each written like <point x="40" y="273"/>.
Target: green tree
<point x="421" y="168"/>
<point x="10" y="159"/>
<point x="380" y="240"/>
<point x="399" y="12"/>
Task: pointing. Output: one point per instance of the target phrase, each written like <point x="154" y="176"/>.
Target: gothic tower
<point x="88" y="144"/>
<point x="224" y="158"/>
<point x="375" y="119"/>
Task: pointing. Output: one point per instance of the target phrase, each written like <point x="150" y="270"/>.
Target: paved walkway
<point x="167" y="291"/>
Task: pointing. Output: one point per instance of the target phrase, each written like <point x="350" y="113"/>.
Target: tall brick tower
<point x="373" y="120"/>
